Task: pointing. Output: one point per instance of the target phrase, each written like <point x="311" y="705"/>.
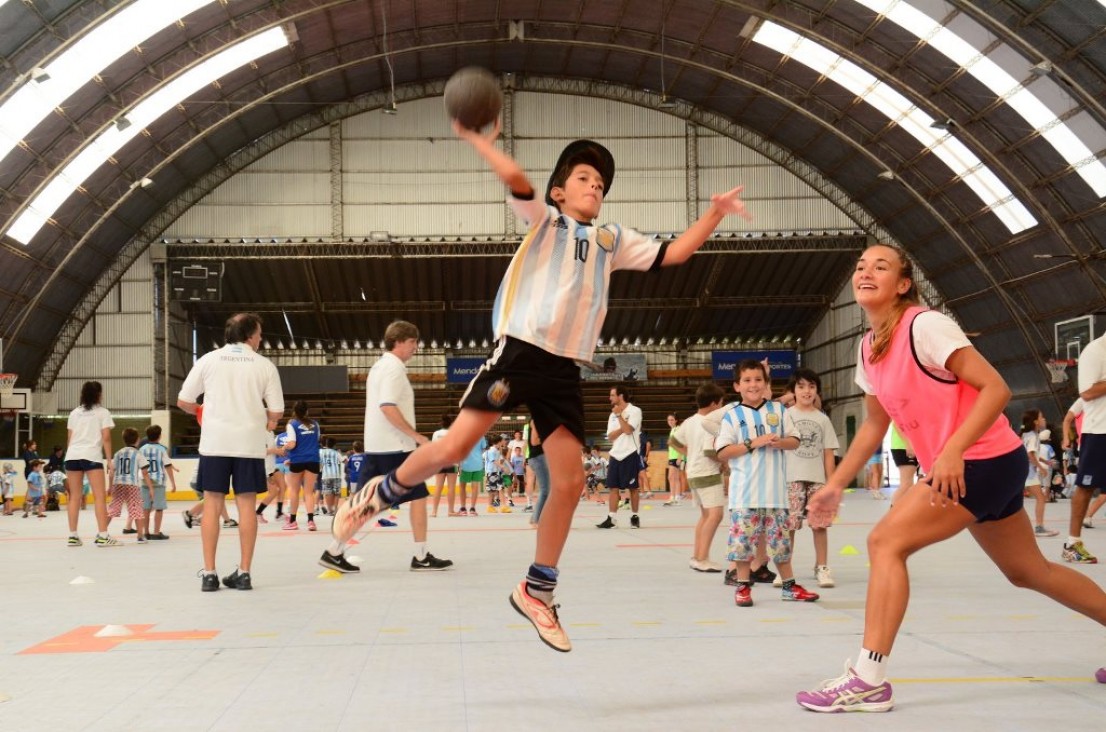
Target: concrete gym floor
<point x="656" y="645"/>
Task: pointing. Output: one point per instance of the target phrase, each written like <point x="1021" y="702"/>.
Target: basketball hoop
<point x="7" y="384"/>
<point x="1058" y="368"/>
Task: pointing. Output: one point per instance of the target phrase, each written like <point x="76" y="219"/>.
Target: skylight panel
<point x="84" y="59"/>
<point x="112" y="139"/>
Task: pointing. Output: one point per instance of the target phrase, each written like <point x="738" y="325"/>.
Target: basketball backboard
<point x="1073" y="335"/>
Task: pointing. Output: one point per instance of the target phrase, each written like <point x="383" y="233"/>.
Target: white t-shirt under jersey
<point x="936" y="337"/>
<point x="239" y="388"/>
<point x="87" y="425"/>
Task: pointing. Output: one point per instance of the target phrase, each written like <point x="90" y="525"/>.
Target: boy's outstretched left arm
<point x="687" y="243"/>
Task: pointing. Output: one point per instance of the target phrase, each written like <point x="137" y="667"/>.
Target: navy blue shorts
<point x="623" y="473"/>
<point x="994" y="488"/>
<point x="1092" y="462"/>
<point x="382" y="463"/>
<point x="304" y="467"/>
<point x="83" y="465"/>
<point x="216" y="474"/>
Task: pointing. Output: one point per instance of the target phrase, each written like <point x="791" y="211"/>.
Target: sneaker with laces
<point x="798" y="593"/>
<point x="74" y="541"/>
<point x="188" y="519"/>
<point x="635" y="522"/>
<point x="847" y="693"/>
<point x="230" y="524"/>
<point x="607" y="523"/>
<point x="386" y="523"/>
<point x="103" y="541"/>
<point x="743" y="595"/>
<point x="824" y="577"/>
<point x="543" y="617"/>
<point x="1088" y="523"/>
<point x="238" y="581"/>
<point x="311" y="525"/>
<point x="1042" y="531"/>
<point x="1077" y="554"/>
<point x="777" y="582"/>
<point x="209" y="581"/>
<point x="430" y="563"/>
<point x="290" y="526"/>
<point x="763" y="575"/>
<point x="529" y="508"/>
<point x="141" y="539"/>
<point x="338" y="563"/>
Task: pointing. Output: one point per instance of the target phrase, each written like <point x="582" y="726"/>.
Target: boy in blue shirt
<point x="472" y="476"/>
<point x="36" y="488"/>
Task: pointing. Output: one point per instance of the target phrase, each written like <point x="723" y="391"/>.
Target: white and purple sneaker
<point x="847" y="693"/>
<point x="1100" y="675"/>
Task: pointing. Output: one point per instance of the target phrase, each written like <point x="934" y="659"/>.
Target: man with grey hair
<point x="242" y="403"/>
<point x="390" y="436"/>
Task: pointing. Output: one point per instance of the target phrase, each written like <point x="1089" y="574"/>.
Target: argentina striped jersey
<point x="158" y="457"/>
<point x="128" y="464"/>
<point x="757" y="479"/>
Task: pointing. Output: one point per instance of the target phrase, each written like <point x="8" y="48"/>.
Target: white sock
<point x="1072" y="539"/>
<point x="871" y="667"/>
<point x="612" y="516"/>
<point x="420" y="550"/>
<point x="336" y="549"/>
<point x="73" y="534"/>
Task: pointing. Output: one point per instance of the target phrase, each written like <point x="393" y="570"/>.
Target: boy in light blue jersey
<point x="494" y="468"/>
<point x="161" y="469"/>
<point x="130" y="469"/>
<point x="752" y="438"/>
<point x="548" y="313"/>
<point x="35" y="499"/>
<point x="330" y="462"/>
<point x="472" y="476"/>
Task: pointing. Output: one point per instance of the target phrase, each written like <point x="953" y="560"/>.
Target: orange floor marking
<point x="84" y="640"/>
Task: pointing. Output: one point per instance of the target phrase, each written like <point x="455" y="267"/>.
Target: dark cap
<point x="584" y="151"/>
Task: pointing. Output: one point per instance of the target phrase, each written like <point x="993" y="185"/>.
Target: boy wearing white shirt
<point x="704" y="472"/>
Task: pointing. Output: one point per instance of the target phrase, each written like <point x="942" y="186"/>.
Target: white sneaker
<point x="778" y="582"/>
<point x="1088" y="523"/>
<point x="706" y="566"/>
<point x="824" y="577"/>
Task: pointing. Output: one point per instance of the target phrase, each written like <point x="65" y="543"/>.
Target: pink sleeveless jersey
<point x="927" y="409"/>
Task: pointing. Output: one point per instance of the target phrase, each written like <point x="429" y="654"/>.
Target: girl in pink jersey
<point x="918" y="369"/>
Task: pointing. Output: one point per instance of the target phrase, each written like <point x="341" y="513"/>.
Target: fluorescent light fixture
<point x="37" y="98"/>
<point x="1001" y="83"/>
<point x="931" y="133"/>
<point x="141" y="116"/>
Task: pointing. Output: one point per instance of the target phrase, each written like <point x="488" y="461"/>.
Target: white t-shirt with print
<point x="816" y="435"/>
<point x="87" y="425"/>
<point x="239" y="387"/>
<point x="1092" y="369"/>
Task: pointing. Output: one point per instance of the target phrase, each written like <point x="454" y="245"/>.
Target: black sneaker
<point x="635" y="522"/>
<point x="430" y="564"/>
<point x="159" y="536"/>
<point x="209" y="582"/>
<point x="238" y="581"/>
<point x="338" y="563"/>
<point x="230" y="524"/>
<point x="730" y="578"/>
<point x="130" y="531"/>
<point x="188" y="519"/>
<point x="607" y="524"/>
<point x="763" y="575"/>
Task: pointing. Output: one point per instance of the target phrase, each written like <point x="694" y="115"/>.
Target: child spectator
<point x="274" y="477"/>
<point x="330" y="462"/>
<point x="494" y="467"/>
<point x="1033" y="420"/>
<point x="446" y="479"/>
<point x="704" y="473"/>
<point x="36" y="491"/>
<point x="55" y="486"/>
<point x="809" y="465"/>
<point x="131" y="470"/>
<point x="518" y="472"/>
<point x="472" y="475"/>
<point x="160" y="469"/>
<point x="752" y="438"/>
<point x="7" y="486"/>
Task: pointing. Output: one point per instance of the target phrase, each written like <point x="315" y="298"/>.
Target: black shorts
<point x="1092" y="462"/>
<point x="382" y="463"/>
<point x="674" y="464"/>
<point x="519" y="373"/>
<point x="304" y="467"/>
<point x="217" y="474"/>
<point x="448" y="471"/>
<point x="83" y="465"/>
<point x="623" y="473"/>
<point x="994" y="488"/>
<point x="901" y="459"/>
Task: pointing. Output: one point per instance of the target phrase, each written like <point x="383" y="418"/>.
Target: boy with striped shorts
<point x="130" y="469"/>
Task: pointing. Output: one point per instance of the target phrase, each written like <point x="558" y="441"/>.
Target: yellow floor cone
<point x="330" y="574"/>
<point x="848" y="551"/>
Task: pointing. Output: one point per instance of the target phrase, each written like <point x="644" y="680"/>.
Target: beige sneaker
<point x="824" y="577"/>
<point x="544" y="617"/>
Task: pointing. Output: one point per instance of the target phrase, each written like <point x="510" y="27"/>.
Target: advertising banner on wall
<point x="615" y="367"/>
<point x="461" y="370"/>
<point x="781" y="364"/>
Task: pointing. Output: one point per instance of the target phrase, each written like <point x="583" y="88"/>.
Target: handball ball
<point x="473" y="97"/>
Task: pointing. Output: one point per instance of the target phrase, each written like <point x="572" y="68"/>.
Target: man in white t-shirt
<point x="1091" y="476"/>
<point x="390" y="436"/>
<point x="624" y="432"/>
<point x="243" y="402"/>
